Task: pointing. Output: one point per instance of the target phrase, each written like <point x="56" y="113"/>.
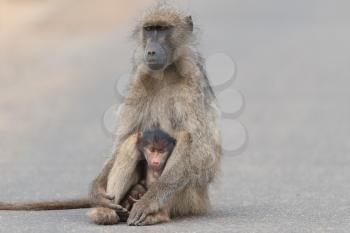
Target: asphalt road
<point x="59" y="64"/>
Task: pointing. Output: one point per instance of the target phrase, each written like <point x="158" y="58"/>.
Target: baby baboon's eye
<point x="161" y="151"/>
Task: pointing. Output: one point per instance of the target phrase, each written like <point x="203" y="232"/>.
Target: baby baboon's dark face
<point x="156" y="146"/>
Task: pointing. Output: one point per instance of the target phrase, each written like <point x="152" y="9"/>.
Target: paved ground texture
<point x="59" y="61"/>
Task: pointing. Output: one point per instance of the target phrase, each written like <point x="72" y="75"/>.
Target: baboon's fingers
<point x="140" y="224"/>
<point x="140" y="221"/>
<point x="119" y="208"/>
<point x="113" y="206"/>
<point x="134" y="215"/>
<point x="138" y="214"/>
<point x="105" y="200"/>
<point x="107" y="196"/>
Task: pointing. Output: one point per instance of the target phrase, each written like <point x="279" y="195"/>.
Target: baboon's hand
<point x="102" y="199"/>
<point x="141" y="209"/>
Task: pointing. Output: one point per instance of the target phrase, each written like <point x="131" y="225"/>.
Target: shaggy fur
<point x="179" y="100"/>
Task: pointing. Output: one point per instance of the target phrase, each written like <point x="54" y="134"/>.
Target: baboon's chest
<point x="166" y="107"/>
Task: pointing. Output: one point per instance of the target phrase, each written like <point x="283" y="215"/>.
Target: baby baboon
<point x="170" y="90"/>
<point x="156" y="146"/>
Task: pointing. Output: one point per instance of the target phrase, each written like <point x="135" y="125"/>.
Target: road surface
<point x="59" y="64"/>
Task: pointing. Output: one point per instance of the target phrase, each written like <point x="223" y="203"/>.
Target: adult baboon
<point x="170" y="90"/>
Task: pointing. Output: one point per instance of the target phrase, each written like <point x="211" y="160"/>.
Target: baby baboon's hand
<point x="132" y="200"/>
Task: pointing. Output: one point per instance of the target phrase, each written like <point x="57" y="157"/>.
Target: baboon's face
<point x="162" y="34"/>
<point x="158" y="49"/>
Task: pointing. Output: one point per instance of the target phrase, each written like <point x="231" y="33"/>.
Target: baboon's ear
<point x="189" y="21"/>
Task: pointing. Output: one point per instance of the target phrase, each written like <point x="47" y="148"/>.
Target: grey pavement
<point x="59" y="63"/>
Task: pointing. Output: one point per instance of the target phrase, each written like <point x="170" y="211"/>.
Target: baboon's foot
<point x="103" y="216"/>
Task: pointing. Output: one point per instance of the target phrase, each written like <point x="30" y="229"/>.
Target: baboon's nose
<point x="156" y="163"/>
<point x="151" y="53"/>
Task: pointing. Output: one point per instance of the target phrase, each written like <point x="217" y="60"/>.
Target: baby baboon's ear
<point x="139" y="136"/>
<point x="189" y="21"/>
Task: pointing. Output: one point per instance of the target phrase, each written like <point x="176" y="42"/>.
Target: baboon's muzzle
<point x="155" y="56"/>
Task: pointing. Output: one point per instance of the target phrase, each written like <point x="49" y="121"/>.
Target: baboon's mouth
<point x="155" y="66"/>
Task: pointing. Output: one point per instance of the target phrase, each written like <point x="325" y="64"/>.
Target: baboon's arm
<point x="98" y="195"/>
<point x="118" y="175"/>
<point x="124" y="172"/>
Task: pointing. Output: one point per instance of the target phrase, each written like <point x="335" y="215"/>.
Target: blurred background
<point x="60" y="61"/>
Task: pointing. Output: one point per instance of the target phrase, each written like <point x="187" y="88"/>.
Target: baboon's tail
<point x="46" y="205"/>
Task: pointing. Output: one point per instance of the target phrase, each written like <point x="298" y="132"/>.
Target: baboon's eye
<point x="155" y="28"/>
<point x="161" y="151"/>
<point x="148" y="28"/>
<point x="161" y="28"/>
